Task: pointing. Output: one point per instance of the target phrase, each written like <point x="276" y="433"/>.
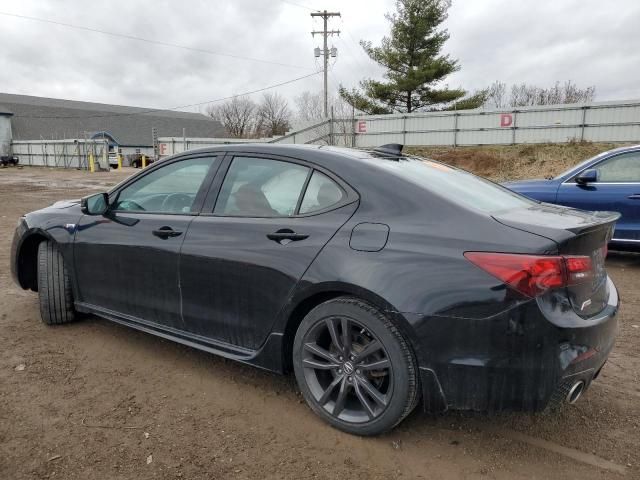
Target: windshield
<point x="457" y="185"/>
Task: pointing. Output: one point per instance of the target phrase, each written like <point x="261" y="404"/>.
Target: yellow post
<point x="144" y="161"/>
<point x="92" y="165"/>
<point x="119" y="161"/>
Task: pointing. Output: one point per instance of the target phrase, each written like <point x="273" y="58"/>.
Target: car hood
<point x="528" y="184"/>
<point x="62" y="204"/>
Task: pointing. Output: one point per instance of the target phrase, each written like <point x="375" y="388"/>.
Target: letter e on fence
<point x="362" y="126"/>
<point x="163" y="149"/>
<point x="506" y="119"/>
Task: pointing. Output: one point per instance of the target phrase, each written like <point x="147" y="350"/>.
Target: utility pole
<point x="325" y="51"/>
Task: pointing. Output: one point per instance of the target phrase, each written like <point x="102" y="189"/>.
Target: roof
<point x="35" y="118"/>
<point x="5" y="111"/>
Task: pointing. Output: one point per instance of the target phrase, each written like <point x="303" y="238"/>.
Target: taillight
<point x="578" y="269"/>
<point x="532" y="275"/>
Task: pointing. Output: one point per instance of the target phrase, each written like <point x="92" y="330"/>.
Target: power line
<point x="159" y="110"/>
<point x="299" y="5"/>
<point x="356" y="44"/>
<point x="151" y="41"/>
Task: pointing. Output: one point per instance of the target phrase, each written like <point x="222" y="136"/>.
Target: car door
<point x="241" y="261"/>
<point x="617" y="189"/>
<point x="126" y="261"/>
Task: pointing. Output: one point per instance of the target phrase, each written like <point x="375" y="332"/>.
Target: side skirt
<point x="267" y="357"/>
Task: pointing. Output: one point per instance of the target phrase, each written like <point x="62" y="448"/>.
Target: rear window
<point x="457" y="185"/>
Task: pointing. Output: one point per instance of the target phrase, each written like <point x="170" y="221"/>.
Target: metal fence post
<point x="353" y="126"/>
<point x="331" y="133"/>
<point x="584" y="120"/>
<point x="455" y="129"/>
<point x="353" y="132"/>
<point x="513" y="127"/>
<point x="404" y="129"/>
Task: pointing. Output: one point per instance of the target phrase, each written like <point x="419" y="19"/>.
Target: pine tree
<point x="414" y="64"/>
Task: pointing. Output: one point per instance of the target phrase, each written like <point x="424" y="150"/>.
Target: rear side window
<point x="321" y="193"/>
<point x="457" y="185"/>
<point x="258" y="187"/>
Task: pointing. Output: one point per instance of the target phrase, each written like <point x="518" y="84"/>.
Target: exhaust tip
<point x="575" y="392"/>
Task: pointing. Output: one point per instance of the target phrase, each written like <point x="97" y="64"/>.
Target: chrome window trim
<point x="603" y="183"/>
<point x="627" y="240"/>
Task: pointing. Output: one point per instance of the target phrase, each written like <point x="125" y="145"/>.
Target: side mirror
<point x="590" y="175"/>
<point x="97" y="204"/>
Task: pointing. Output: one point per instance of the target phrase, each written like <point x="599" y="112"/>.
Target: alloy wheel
<point x="347" y="369"/>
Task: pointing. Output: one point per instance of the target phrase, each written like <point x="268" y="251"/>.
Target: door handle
<point x="635" y="196"/>
<point x="286" y="234"/>
<point x="166" y="232"/>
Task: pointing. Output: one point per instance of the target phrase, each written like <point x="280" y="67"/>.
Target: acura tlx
<point x="382" y="280"/>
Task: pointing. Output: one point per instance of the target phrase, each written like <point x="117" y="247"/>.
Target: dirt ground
<point x="95" y="400"/>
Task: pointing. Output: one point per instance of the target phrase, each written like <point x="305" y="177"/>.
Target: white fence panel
<point x="524" y="119"/>
<point x="434" y="122"/>
<point x="470" y="121"/>
<point x="619" y="114"/>
<point x="601" y="122"/>
<point x="429" y="138"/>
<point x="485" y="137"/>
<point x="612" y="133"/>
<point x="70" y="153"/>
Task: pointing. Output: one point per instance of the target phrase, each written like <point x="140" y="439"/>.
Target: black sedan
<point x="380" y="279"/>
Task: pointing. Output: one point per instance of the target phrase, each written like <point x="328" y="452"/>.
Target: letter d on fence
<point x="506" y="119"/>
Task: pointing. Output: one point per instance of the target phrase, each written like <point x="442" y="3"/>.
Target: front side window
<point x="621" y="168"/>
<point x="258" y="187"/>
<point x="169" y="189"/>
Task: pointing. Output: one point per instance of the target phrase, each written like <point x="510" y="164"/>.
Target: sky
<point x="591" y="42"/>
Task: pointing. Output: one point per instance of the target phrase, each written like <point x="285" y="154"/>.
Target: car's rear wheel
<point x="354" y="367"/>
<point x="54" y="286"/>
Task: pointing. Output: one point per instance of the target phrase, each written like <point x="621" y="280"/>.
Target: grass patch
<point x="515" y="162"/>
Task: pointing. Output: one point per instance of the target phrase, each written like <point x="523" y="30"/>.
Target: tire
<point x="54" y="286"/>
<point x="364" y="389"/>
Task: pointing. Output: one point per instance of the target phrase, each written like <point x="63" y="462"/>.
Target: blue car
<point x="609" y="181"/>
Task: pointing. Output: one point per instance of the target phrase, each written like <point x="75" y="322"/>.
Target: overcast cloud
<point x="591" y="42"/>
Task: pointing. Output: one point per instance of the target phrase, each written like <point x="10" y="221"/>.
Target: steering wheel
<point x="175" y="202"/>
<point x="129" y="205"/>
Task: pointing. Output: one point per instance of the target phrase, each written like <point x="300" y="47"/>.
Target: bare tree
<point x="273" y="115"/>
<point x="309" y="106"/>
<point x="237" y="115"/>
<point x="528" y="95"/>
<point x="497" y="95"/>
<point x="343" y="125"/>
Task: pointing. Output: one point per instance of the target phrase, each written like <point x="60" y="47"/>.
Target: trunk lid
<point x="576" y="233"/>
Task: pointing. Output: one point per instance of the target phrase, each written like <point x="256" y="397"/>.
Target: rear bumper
<point x="513" y="361"/>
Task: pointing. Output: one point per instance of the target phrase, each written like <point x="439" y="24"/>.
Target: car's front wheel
<point x="354" y="367"/>
<point x="54" y="286"/>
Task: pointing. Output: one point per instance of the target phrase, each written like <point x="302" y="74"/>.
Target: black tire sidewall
<point x="373" y="320"/>
<point x="54" y="286"/>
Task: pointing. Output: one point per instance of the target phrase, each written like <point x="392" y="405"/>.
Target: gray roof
<point x="5" y="111"/>
<point x="38" y="117"/>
